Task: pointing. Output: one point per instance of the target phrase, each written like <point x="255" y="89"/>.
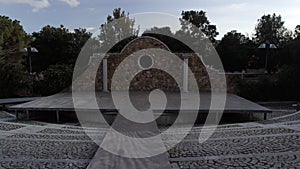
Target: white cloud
<point x="39" y="4"/>
<point x="91" y="29"/>
<point x="72" y="3"/>
<point x="36" y="4"/>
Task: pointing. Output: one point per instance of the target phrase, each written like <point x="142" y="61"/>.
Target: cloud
<point x="91" y="29"/>
<point x="39" y="4"/>
<point x="36" y="4"/>
<point x="72" y="3"/>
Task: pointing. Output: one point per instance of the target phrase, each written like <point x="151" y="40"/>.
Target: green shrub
<point x="55" y="79"/>
<point x="10" y="77"/>
<point x="289" y="82"/>
<point x="262" y="89"/>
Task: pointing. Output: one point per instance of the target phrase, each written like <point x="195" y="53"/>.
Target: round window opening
<point x="145" y="62"/>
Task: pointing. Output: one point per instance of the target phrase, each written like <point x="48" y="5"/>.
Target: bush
<point x="55" y="79"/>
<point x="262" y="89"/>
<point x="10" y="77"/>
<point x="289" y="82"/>
<point x="282" y="86"/>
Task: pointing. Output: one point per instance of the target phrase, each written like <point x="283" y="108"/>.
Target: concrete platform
<point x="63" y="102"/>
<point x="4" y="102"/>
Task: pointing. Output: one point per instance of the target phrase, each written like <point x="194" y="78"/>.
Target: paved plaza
<point x="274" y="143"/>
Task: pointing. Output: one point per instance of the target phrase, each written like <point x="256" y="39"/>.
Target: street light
<point x="30" y="51"/>
<point x="267" y="46"/>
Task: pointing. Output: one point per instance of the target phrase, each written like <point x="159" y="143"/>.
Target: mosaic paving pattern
<point x="59" y="131"/>
<point x="271" y="144"/>
<point x="294" y="117"/>
<point x="73" y="127"/>
<point x="53" y="137"/>
<point x="270" y="161"/>
<point x="276" y="144"/>
<point x="47" y="149"/>
<point x="236" y="133"/>
<point x="51" y="147"/>
<point x="32" y="164"/>
<point x="293" y="123"/>
<point x="9" y="127"/>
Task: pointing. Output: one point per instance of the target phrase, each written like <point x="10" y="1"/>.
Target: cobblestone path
<point x="274" y="143"/>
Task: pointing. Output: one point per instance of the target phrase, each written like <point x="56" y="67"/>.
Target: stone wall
<point x="150" y="79"/>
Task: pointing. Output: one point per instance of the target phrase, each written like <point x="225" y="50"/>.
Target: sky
<point x="241" y="15"/>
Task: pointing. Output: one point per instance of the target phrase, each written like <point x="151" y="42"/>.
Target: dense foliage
<point x="55" y="79"/>
<point x="10" y="78"/>
<point x="111" y="32"/>
<point x="12" y="39"/>
<point x="59" y="48"/>
<point x="12" y="36"/>
<point x="271" y="28"/>
<point x="235" y="51"/>
<point x="200" y="20"/>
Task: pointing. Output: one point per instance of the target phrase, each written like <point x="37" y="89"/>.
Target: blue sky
<point x="228" y="15"/>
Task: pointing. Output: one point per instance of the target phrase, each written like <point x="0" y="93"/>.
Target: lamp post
<point x="29" y="51"/>
<point x="267" y="46"/>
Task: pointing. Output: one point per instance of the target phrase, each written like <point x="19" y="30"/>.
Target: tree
<point x="12" y="39"/>
<point x="54" y="45"/>
<point x="165" y="35"/>
<point x="200" y="20"/>
<point x="270" y="28"/>
<point x="57" y="46"/>
<point x="12" y="36"/>
<point x="297" y="32"/>
<point x="116" y="28"/>
<point x="234" y="51"/>
<point x="197" y="33"/>
<point x="10" y="78"/>
<point x="58" y="52"/>
<point x="55" y="79"/>
<point x="288" y="76"/>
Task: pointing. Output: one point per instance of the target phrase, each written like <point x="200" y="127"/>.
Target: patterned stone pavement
<point x="274" y="143"/>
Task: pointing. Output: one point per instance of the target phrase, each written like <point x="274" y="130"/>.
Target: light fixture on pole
<point x="30" y="50"/>
<point x="267" y="46"/>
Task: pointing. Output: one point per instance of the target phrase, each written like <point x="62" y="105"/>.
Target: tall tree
<point x="200" y="20"/>
<point x="54" y="45"/>
<point x="197" y="31"/>
<point x="12" y="39"/>
<point x="235" y="51"/>
<point x="289" y="80"/>
<point x="117" y="27"/>
<point x="57" y="46"/>
<point x="58" y="51"/>
<point x="165" y="35"/>
<point x="270" y="28"/>
<point x="12" y="36"/>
